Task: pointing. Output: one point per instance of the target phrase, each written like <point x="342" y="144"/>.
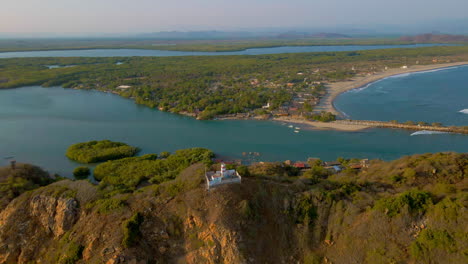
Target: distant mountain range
<point x="213" y="34"/>
<point x="435" y="38"/>
<point x="323" y="35"/>
<point x="239" y="35"/>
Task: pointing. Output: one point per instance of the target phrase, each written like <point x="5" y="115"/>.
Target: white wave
<point x="357" y="90"/>
<point x="341" y="112"/>
<point x="427" y="71"/>
<point x="398" y="75"/>
<point x="464" y="111"/>
<point x="441" y="69"/>
<point x="428" y="132"/>
<point x="406" y="75"/>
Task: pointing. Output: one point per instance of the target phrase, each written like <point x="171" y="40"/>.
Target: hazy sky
<point x="123" y="16"/>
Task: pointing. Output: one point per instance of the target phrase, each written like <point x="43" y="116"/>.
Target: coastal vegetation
<point x="323" y="117"/>
<point x="98" y="151"/>
<point x="130" y="172"/>
<point x="215" y="86"/>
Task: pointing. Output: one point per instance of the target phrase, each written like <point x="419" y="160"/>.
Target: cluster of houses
<point x="225" y="176"/>
<point x="333" y="166"/>
<point x="295" y="107"/>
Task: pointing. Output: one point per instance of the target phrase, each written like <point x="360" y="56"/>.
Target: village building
<point x="364" y="163"/>
<point x="123" y="87"/>
<point x="333" y="166"/>
<point x="301" y="165"/>
<point x="224" y="176"/>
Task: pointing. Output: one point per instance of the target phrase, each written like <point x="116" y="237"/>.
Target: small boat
<point x="296" y="131"/>
<point x="297" y="128"/>
<point x="290" y="126"/>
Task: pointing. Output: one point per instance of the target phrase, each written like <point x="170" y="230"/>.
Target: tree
<point x="81" y="172"/>
<point x="420" y="123"/>
<point x="307" y="107"/>
<point x="164" y="154"/>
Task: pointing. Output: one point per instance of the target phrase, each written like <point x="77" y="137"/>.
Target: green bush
<point x="316" y="172"/>
<point x="415" y="201"/>
<point x="304" y="211"/>
<point x="430" y="239"/>
<point x="324" y="117"/>
<point x="81" y="172"/>
<point x="164" y="154"/>
<point x="98" y="151"/>
<point x="243" y="171"/>
<point x="73" y="253"/>
<point x="131" y="230"/>
<point x="105" y="206"/>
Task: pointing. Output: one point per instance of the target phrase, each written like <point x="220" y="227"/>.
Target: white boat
<point x="290" y="126"/>
<point x="297" y="128"/>
<point x="296" y="131"/>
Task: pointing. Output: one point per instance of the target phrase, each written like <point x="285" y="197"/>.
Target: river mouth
<point x="38" y="124"/>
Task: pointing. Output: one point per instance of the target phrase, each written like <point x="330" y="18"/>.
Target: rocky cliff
<point x="416" y="214"/>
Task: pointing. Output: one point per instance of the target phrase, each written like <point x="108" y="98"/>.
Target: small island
<point x="99" y="151"/>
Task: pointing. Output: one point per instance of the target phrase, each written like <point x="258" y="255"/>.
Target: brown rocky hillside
<point x="408" y="211"/>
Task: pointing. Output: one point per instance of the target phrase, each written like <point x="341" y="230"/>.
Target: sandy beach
<point x="334" y="89"/>
<point x="320" y="125"/>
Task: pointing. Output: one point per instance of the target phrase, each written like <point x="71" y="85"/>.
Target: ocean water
<point x="433" y="96"/>
<point x="38" y="124"/>
<point x="167" y="53"/>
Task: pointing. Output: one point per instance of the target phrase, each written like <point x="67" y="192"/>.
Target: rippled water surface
<point x="38" y="124"/>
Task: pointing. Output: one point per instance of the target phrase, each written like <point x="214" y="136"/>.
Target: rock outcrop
<point x="263" y="220"/>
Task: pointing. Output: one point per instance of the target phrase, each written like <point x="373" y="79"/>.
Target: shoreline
<point x="337" y="88"/>
<point x="315" y="125"/>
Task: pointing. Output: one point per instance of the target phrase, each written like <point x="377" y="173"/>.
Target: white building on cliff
<point x="215" y="178"/>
